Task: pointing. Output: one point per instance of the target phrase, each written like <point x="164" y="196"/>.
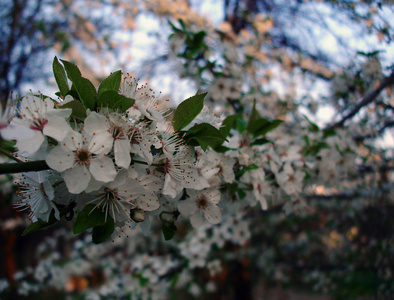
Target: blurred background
<point x="314" y="57"/>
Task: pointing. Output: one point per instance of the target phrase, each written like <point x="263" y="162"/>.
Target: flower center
<point x="117" y="132"/>
<point x="202" y="202"/>
<point x="83" y="157"/>
<point x="110" y="195"/>
<point x="39" y="124"/>
<point x="166" y="165"/>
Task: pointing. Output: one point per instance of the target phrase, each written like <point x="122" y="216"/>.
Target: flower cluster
<point x="114" y="158"/>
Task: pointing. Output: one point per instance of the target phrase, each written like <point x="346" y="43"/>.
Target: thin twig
<point x="364" y="101"/>
<point x="9" y="155"/>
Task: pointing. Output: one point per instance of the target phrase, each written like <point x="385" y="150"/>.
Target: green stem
<point x="20" y="167"/>
<point x="9" y="155"/>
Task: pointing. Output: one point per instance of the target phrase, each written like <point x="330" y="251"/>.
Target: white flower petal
<point x="77" y="179"/>
<point x="212" y="213"/>
<point x="57" y="128"/>
<point x="101" y="143"/>
<point x="197" y="220"/>
<point x="72" y="141"/>
<point x="148" y="202"/>
<point x="63" y="113"/>
<point x="187" y="207"/>
<point x="60" y="159"/>
<point x="122" y="153"/>
<point x="30" y="146"/>
<point x="94" y="185"/>
<point x="95" y="123"/>
<point x="171" y="186"/>
<point x="102" y="169"/>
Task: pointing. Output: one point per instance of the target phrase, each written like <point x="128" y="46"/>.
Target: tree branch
<point x="365" y="101"/>
<point x="31" y="166"/>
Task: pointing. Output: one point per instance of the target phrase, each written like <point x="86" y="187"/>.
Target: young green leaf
<point x="39" y="224"/>
<point x="263" y="130"/>
<point x="111" y="83"/>
<point x="169" y="229"/>
<point x="60" y="77"/>
<point x="227" y="125"/>
<point x="85" y="89"/>
<point x="89" y="217"/>
<point x="103" y="232"/>
<point x="254" y="116"/>
<point x="115" y="101"/>
<point x="314" y="127"/>
<point x="187" y="111"/>
<point x="205" y="135"/>
<point x="260" y="141"/>
<point x="78" y="111"/>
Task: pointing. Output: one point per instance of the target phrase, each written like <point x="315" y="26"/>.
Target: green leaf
<point x="115" y="101"/>
<point x="256" y="125"/>
<point x="169" y="229"/>
<point x="241" y="194"/>
<point x="205" y="135"/>
<point x="260" y="141"/>
<point x="111" y="83"/>
<point x="251" y="167"/>
<point x="39" y="224"/>
<point x="254" y="116"/>
<point x="78" y="111"/>
<point x="227" y="125"/>
<point x="89" y="217"/>
<point x="220" y="148"/>
<point x="314" y="127"/>
<point x="314" y="149"/>
<point x="60" y="77"/>
<point x="232" y="188"/>
<point x="329" y="132"/>
<point x="187" y="111"/>
<point x="263" y="130"/>
<point x="103" y="232"/>
<point x="85" y="89"/>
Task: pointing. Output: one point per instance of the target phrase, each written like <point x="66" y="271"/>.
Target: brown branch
<point x="365" y="101"/>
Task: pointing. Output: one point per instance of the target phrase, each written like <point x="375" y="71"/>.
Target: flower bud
<point x="137" y="215"/>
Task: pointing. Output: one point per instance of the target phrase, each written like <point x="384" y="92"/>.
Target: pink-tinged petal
<point x="187" y="207"/>
<point x="30" y="146"/>
<point x="101" y="143"/>
<point x="122" y="153"/>
<point x="95" y="123"/>
<point x="77" y="179"/>
<point x="57" y="128"/>
<point x="197" y="220"/>
<point x="102" y="169"/>
<point x="148" y="202"/>
<point x="212" y="213"/>
<point x="60" y="159"/>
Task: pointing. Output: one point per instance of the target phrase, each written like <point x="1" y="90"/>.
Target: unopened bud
<point x="137" y="215"/>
